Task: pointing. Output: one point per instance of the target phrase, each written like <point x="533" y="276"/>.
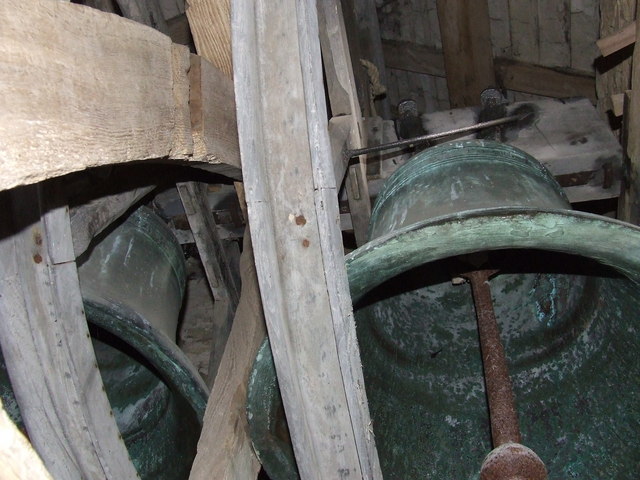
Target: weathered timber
<point x="403" y="55"/>
<point x="293" y="213"/>
<point x="91" y="218"/>
<point x="629" y="208"/>
<point x="365" y="30"/>
<point x="146" y="12"/>
<point x="213" y="113"/>
<point x="617" y="41"/>
<point x="18" y="458"/>
<point x="225" y="286"/>
<point x="211" y="30"/>
<point x="343" y="99"/>
<point x="75" y="109"/>
<point x="511" y="74"/>
<point x="548" y="82"/>
<point x="224" y="449"/>
<point x="614" y="74"/>
<point x="46" y="344"/>
<point x="468" y="55"/>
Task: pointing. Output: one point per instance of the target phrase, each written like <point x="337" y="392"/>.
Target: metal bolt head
<point x="513" y="461"/>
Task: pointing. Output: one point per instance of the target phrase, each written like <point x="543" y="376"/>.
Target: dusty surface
<point x="195" y="330"/>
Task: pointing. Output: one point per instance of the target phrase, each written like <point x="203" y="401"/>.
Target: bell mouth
<point x="566" y="299"/>
<point x="607" y="241"/>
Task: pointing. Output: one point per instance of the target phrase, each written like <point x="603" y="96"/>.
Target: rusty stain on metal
<point x="509" y="460"/>
<point x="504" y="418"/>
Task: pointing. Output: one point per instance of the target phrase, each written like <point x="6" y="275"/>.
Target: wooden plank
<point x="368" y="37"/>
<point x="617" y="41"/>
<point x="554" y="22"/>
<point x="18" y="458"/>
<point x="614" y="75"/>
<point x="46" y="343"/>
<point x="549" y="82"/>
<point x="511" y="74"/>
<point x="89" y="219"/>
<point x="525" y="38"/>
<point x="224" y="284"/>
<point x="146" y="12"/>
<point x="403" y="55"/>
<point x="211" y="30"/>
<point x="56" y="118"/>
<point x="567" y="137"/>
<point x="213" y="114"/>
<point x="293" y="213"/>
<point x="466" y="43"/>
<point x="224" y="448"/>
<point x="499" y="26"/>
<point x="584" y="34"/>
<point x="343" y="99"/>
<point x="630" y="201"/>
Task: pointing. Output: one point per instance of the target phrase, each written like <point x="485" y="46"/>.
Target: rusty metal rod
<point x="410" y="142"/>
<point x="502" y="411"/>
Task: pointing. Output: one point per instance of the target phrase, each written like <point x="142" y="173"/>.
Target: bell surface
<point x="565" y="298"/>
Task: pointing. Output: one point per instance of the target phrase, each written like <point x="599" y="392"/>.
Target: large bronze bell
<point x="564" y="289"/>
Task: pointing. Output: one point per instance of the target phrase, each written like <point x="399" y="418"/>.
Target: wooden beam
<point x="511" y="74"/>
<point x="91" y="218"/>
<point x="213" y="113"/>
<point x="343" y="99"/>
<point x="146" y="12"/>
<point x="76" y="109"/>
<point x="224" y="285"/>
<point x="224" y="448"/>
<point x="468" y="55"/>
<point x="409" y="56"/>
<point x="617" y="41"/>
<point x="549" y="82"/>
<point x="293" y="213"/>
<point x="18" y="458"/>
<point x="46" y="343"/>
<point x="211" y="30"/>
<point x="629" y="208"/>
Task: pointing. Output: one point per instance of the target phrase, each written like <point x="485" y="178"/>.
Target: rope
<point x="377" y="88"/>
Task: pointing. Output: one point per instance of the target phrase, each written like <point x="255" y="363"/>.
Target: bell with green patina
<point x="566" y="300"/>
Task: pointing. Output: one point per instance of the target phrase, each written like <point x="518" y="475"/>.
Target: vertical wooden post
<point x="343" y="99"/>
<point x="629" y="203"/>
<point x="225" y="286"/>
<point x="293" y="213"/>
<point x="466" y="43"/>
<point x="46" y="343"/>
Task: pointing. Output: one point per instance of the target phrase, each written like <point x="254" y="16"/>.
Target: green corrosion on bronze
<point x="132" y="285"/>
<point x="566" y="300"/>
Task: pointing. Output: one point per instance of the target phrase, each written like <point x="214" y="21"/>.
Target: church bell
<point x="497" y="327"/>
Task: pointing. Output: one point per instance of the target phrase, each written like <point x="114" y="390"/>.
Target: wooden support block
<point x="225" y="286"/>
<point x="46" y="343"/>
<point x="224" y="449"/>
<point x="617" y="102"/>
<point x="617" y="41"/>
<point x="293" y="214"/>
<point x="468" y="55"/>
<point x="112" y="91"/>
<point x="213" y="114"/>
